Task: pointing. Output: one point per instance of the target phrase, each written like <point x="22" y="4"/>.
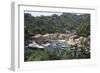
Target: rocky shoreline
<point x="59" y="40"/>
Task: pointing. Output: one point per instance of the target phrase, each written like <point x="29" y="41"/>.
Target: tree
<point x="83" y="29"/>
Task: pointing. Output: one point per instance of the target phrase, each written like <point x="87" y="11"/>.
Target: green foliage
<point x="83" y="30"/>
<point x="56" y="23"/>
<point x="36" y="55"/>
<point x="84" y="54"/>
<point x="41" y="55"/>
<point x="62" y="53"/>
<point x="67" y="54"/>
<point x="52" y="24"/>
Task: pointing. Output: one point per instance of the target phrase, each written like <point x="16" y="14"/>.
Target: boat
<point x="35" y="45"/>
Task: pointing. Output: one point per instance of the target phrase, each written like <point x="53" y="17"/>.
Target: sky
<point x="35" y="13"/>
<point x="39" y="13"/>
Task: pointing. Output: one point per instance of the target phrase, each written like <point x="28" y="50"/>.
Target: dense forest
<point x="51" y="24"/>
<point x="58" y="25"/>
